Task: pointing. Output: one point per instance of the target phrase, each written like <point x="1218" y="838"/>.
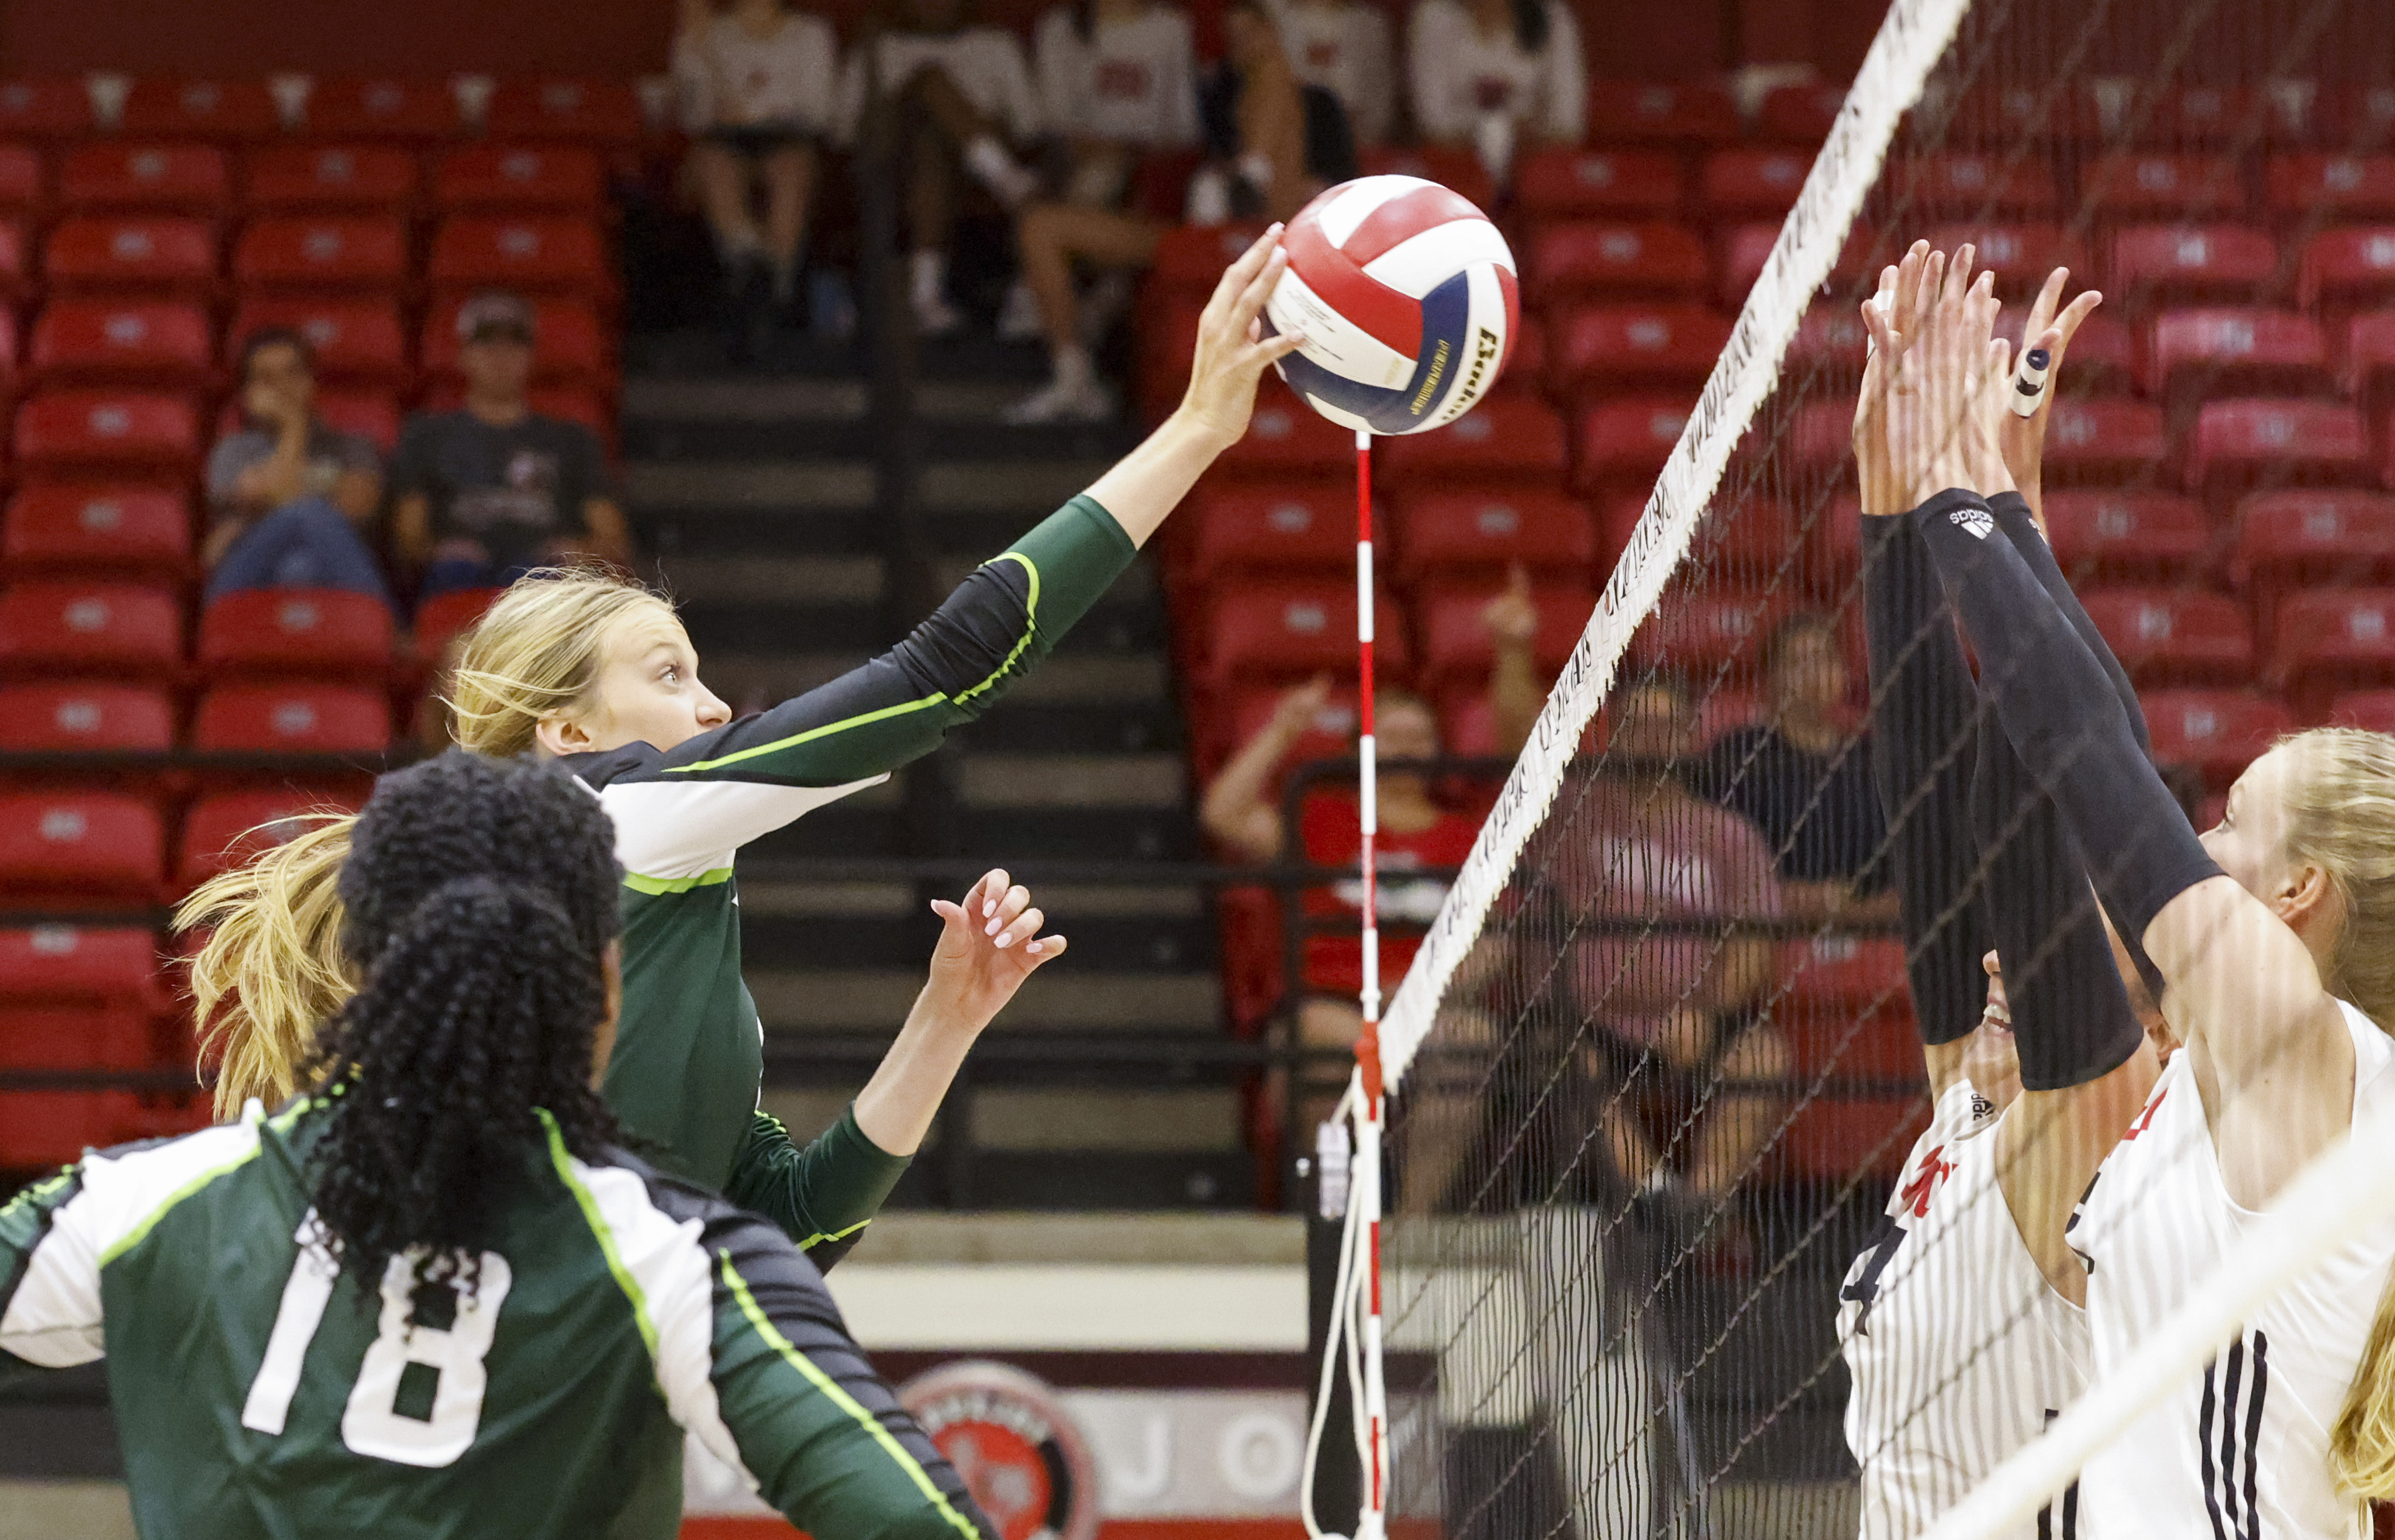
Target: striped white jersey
<point x="2240" y="1453"/>
<point x="1959" y="1350"/>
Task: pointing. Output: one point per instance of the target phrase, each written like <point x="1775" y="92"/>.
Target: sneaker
<point x="1019" y="319"/>
<point x="1064" y="401"/>
<point x="935" y="317"/>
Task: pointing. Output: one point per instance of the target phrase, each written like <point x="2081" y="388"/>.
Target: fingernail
<point x="990" y="929"/>
<point x="1032" y="948"/>
<point x="1276" y="228"/>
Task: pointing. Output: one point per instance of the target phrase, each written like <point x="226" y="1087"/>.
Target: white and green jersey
<point x="688" y="1064"/>
<point x="260" y="1394"/>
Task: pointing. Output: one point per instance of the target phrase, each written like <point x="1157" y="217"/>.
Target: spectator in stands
<point x="1804" y="778"/>
<point x="289" y="499"/>
<point x="1492" y="73"/>
<point x="758" y="86"/>
<point x="1343" y="47"/>
<point x="483" y="494"/>
<point x="1271" y="144"/>
<point x="932" y="97"/>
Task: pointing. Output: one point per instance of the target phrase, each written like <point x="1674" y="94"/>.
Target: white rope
<point x="2351" y="1186"/>
<point x="1911" y="40"/>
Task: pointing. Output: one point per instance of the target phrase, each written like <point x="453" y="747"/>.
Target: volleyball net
<point x="1655" y="1075"/>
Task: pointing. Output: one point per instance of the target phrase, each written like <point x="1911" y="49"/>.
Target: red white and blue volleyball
<point x="1407" y="299"/>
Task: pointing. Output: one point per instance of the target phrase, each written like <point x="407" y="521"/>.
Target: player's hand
<point x="2051" y="326"/>
<point x="989" y="945"/>
<point x="1233" y="352"/>
<point x="1512" y="616"/>
<point x="1882" y="492"/>
<point x="1938" y="431"/>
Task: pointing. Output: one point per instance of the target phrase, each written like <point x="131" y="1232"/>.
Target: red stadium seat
<point x="2151" y="263"/>
<point x="1627" y="439"/>
<point x="316" y="633"/>
<point x="1451" y="166"/>
<point x="1560" y="183"/>
<point x="1505" y="437"/>
<point x="1698" y="633"/>
<point x="544" y="255"/>
<point x="2368" y="364"/>
<point x="2103" y="439"/>
<point x="381" y="110"/>
<point x="226" y="829"/>
<point x="24" y="188"/>
<point x="2320" y="186"/>
<point x="2235" y="351"/>
<point x="1285" y="435"/>
<point x="1649" y="111"/>
<point x="123" y="252"/>
<point x="80" y="849"/>
<point x="568" y="343"/>
<point x="1845" y="1015"/>
<point x="76" y="431"/>
<point x="2210" y="114"/>
<point x="1330" y="734"/>
<point x="1841" y="973"/>
<point x="1653" y="258"/>
<point x="1439" y="535"/>
<point x="2215" y="732"/>
<point x="2021" y="254"/>
<point x="356" y="341"/>
<point x="322" y="252"/>
<point x="2173" y="634"/>
<point x="16" y="270"/>
<point x="200" y="110"/>
<point x="2357" y="115"/>
<point x="1822" y="439"/>
<point x="2316" y="537"/>
<point x="2148" y="185"/>
<point x="2303" y="443"/>
<point x="517" y="177"/>
<point x="2117" y="535"/>
<point x="2354" y="266"/>
<point x="1625" y="346"/>
<point x="1190" y="258"/>
<point x="1744" y="541"/>
<point x="1746" y="248"/>
<point x="297" y="178"/>
<point x="60" y="527"/>
<point x="1268" y="527"/>
<point x="2333" y="640"/>
<point x="600" y="112"/>
<point x="45" y="1129"/>
<point x="1289" y="629"/>
<point x="1746" y="183"/>
<point x="165" y="343"/>
<point x="2103" y="358"/>
<point x="1525" y="369"/>
<point x="443" y="616"/>
<point x="1799" y="114"/>
<point x="93" y="965"/>
<point x="54" y="627"/>
<point x="56" y="109"/>
<point x="168" y="177"/>
<point x="84" y="716"/>
<point x="1455" y="645"/>
<point x="2373" y="709"/>
<point x="1973" y="186"/>
<point x="292" y="718"/>
<point x="1830" y="336"/>
<point x="371" y="415"/>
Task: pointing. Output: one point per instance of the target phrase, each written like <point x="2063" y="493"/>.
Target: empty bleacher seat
<point x="1265" y="527"/>
<point x="2354" y="266"/>
<point x="322" y="252"/>
<point x="130" y="253"/>
<point x="568" y="341"/>
<point x="2100" y="439"/>
<point x="442" y="616"/>
<point x="1745" y="183"/>
<point x="1440" y="534"/>
<point x="226" y="829"/>
<point x="598" y="112"/>
<point x="2020" y="254"/>
<point x="2173" y="634"/>
<point x="1190" y="258"/>
<point x="1654" y="112"/>
<point x="99" y="432"/>
<point x="1563" y="183"/>
<point x="2150" y="263"/>
<point x="16" y="265"/>
<point x="1799" y="114"/>
<point x="319" y="633"/>
<point x="1618" y="347"/>
<point x="57" y="527"/>
<point x="2368" y="367"/>
<point x="46" y="1129"/>
<point x="81" y="848"/>
<point x="77" y="998"/>
<point x="54" y="625"/>
<point x="1516" y="437"/>
<point x="1970" y="185"/>
<point x="2208" y="114"/>
<point x="1830" y="337"/>
<point x="176" y="178"/>
<point x="2315" y="535"/>
<point x="2330" y="640"/>
<point x="292" y="718"/>
<point x="215" y="110"/>
<point x="1846" y="1015"/>
<point x="534" y="254"/>
<point x="2148" y="184"/>
<point x="1743" y="539"/>
<point x="85" y="715"/>
<point x="2127" y="534"/>
<point x="2319" y="185"/>
<point x="2236" y="350"/>
<point x="2373" y="709"/>
<point x="2215" y="732"/>
<point x="301" y="179"/>
<point x="1627" y="439"/>
<point x="1596" y="259"/>
<point x="2245" y="443"/>
<point x="517" y="177"/>
<point x="165" y="343"/>
<point x="23" y="188"/>
<point x="1451" y="165"/>
<point x="355" y="340"/>
<point x="1700" y="633"/>
<point x="1821" y="437"/>
<point x="1746" y="248"/>
<point x="1454" y="642"/>
<point x="1285" y="435"/>
<point x="1289" y="629"/>
<point x="58" y="108"/>
<point x="2103" y="357"/>
<point x="381" y="110"/>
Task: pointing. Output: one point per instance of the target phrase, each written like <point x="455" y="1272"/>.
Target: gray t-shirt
<point x="331" y="454"/>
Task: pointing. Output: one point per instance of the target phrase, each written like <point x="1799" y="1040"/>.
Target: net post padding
<point x="2351" y="1186"/>
<point x="1910" y="41"/>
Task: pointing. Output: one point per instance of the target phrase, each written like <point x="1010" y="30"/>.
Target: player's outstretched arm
<point x="49" y="1282"/>
<point x="824" y="1193"/>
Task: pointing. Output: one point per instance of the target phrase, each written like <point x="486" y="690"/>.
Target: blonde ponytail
<point x="273" y="969"/>
<point x="536" y="652"/>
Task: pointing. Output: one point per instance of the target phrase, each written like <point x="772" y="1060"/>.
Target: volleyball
<point x="1407" y="300"/>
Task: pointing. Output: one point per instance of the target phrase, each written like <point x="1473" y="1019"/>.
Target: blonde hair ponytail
<point x="273" y="969"/>
<point x="536" y="652"/>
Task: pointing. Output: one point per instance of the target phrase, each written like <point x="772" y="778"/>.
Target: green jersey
<point x="690" y="1060"/>
<point x="259" y="1393"/>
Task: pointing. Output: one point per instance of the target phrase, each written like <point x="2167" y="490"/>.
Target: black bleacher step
<point x="1110" y="727"/>
<point x="654" y="438"/>
<point x="696" y="530"/>
<point x="758" y="625"/>
<point x="1100" y="942"/>
<point x="704" y="352"/>
<point x="1108" y="1178"/>
<point x="997" y="441"/>
<point x="1077" y="833"/>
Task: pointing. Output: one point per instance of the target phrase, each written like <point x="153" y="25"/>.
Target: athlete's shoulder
<point x="125" y="1192"/>
<point x="602" y="768"/>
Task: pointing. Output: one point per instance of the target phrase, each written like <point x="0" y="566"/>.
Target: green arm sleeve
<point x="823" y="1194"/>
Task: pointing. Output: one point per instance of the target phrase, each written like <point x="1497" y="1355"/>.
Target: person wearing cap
<point x="485" y="494"/>
<point x="290" y="500"/>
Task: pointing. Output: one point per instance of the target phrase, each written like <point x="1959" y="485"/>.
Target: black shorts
<point x="756" y="141"/>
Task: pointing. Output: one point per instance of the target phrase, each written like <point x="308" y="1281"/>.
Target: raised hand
<point x="1940" y="432"/>
<point x="1882" y="493"/>
<point x="2022" y="438"/>
<point x="1233" y="352"/>
<point x="1297" y="709"/>
<point x="1512" y="616"/>
<point x="989" y="944"/>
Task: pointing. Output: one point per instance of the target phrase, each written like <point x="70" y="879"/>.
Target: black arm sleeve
<point x="1923" y="738"/>
<point x="2020" y="527"/>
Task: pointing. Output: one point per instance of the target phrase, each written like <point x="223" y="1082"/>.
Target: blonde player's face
<point x="647" y="691"/>
<point x="2250" y="841"/>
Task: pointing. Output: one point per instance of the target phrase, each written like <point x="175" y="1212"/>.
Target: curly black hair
<point x="482" y="899"/>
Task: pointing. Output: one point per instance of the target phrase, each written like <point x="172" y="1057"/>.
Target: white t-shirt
<point x="1458" y="74"/>
<point x="1133" y="82"/>
<point x="730" y="79"/>
<point x="984" y="63"/>
<point x="1343" y="47"/>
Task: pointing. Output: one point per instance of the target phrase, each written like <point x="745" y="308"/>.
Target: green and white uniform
<point x="260" y="1394"/>
<point x="687" y="1067"/>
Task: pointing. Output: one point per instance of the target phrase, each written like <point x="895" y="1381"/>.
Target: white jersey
<point x="1133" y="82"/>
<point x="1459" y="74"/>
<point x="2240" y="1453"/>
<point x="985" y="65"/>
<point x="1343" y="47"/>
<point x="731" y="79"/>
<point x="1960" y="1351"/>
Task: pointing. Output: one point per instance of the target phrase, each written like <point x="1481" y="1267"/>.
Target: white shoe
<point x="935" y="317"/>
<point x="1064" y="401"/>
<point x="1019" y="319"/>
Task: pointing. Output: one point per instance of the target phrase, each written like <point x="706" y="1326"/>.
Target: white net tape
<point x="1910" y="43"/>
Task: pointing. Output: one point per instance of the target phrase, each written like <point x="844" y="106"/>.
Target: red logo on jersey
<point x="2147" y="1117"/>
<point x="1917" y="1192"/>
<point x="1123" y="79"/>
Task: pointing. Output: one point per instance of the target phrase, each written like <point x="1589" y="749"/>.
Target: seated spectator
<point x="758" y="92"/>
<point x="1271" y="145"/>
<point x="1343" y="47"/>
<point x="289" y="499"/>
<point x="1491" y="73"/>
<point x="484" y="494"/>
<point x="942" y="96"/>
<point x="1804" y="778"/>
